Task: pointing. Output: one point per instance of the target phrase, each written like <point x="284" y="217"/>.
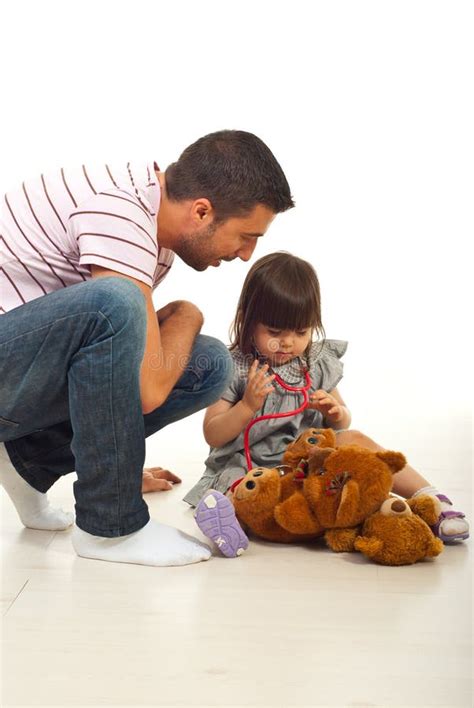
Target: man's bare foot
<point x="156" y="479"/>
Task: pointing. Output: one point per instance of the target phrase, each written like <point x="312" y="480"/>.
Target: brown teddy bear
<point x="298" y="452"/>
<point x="318" y="489"/>
<point x="342" y="488"/>
<point x="343" y="494"/>
<point x="399" y="533"/>
<point x="257" y="497"/>
<point x="262" y="490"/>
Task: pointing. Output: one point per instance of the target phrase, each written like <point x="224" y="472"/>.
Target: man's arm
<point x="169" y="340"/>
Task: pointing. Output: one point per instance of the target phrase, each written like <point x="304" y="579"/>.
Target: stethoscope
<point x="295" y="389"/>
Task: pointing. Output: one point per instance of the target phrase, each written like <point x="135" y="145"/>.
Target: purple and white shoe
<point x="216" y="518"/>
<point x="440" y="530"/>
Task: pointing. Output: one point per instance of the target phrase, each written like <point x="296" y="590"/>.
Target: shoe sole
<point x="216" y="518"/>
<point x="455" y="537"/>
<point x="449" y="538"/>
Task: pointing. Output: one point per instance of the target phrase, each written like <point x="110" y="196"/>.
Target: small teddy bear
<point x="300" y="450"/>
<point x="258" y="495"/>
<point x="262" y="490"/>
<point x="399" y="533"/>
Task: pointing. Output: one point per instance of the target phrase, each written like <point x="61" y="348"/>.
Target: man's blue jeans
<point x="70" y="397"/>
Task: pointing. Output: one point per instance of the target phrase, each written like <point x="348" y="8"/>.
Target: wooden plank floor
<point x="279" y="626"/>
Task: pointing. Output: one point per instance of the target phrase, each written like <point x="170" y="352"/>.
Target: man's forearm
<point x="180" y="323"/>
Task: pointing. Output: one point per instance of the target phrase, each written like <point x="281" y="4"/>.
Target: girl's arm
<point x="335" y="412"/>
<point x="225" y="421"/>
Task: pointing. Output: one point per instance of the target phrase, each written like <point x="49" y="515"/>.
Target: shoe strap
<point x="452" y="515"/>
<point x="444" y="498"/>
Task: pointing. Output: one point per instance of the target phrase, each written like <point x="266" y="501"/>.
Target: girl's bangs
<point x="285" y="310"/>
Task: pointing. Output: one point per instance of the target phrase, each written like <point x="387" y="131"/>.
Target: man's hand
<point x="156" y="479"/>
<point x="326" y="404"/>
<point x="259" y="385"/>
<point x="183" y="307"/>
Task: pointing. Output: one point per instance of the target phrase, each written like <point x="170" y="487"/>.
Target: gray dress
<point x="269" y="438"/>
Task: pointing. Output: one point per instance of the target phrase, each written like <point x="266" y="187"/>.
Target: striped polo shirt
<point x="54" y="227"/>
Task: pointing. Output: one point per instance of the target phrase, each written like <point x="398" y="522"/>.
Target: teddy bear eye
<point x="283" y="469"/>
<point x="312" y="441"/>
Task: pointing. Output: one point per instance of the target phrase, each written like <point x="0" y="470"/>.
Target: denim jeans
<point x="70" y="397"/>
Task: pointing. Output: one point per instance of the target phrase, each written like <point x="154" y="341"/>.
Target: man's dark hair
<point x="234" y="169"/>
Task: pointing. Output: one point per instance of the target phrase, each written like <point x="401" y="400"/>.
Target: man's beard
<point x="198" y="250"/>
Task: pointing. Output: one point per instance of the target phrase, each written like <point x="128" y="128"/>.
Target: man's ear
<point x="202" y="211"/>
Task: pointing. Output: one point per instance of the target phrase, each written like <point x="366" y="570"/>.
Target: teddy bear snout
<point x="395" y="507"/>
<point x="398" y="506"/>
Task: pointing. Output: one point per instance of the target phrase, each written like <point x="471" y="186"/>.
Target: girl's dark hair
<point x="234" y="169"/>
<point x="280" y="291"/>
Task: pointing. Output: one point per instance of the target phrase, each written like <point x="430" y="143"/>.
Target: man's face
<point x="235" y="238"/>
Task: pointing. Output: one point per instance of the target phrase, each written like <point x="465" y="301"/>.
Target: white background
<point x="368" y="108"/>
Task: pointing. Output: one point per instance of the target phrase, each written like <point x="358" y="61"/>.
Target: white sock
<point x="32" y="506"/>
<point x="449" y="527"/>
<point x="154" y="544"/>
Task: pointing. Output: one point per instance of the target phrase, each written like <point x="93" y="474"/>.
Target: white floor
<point x="279" y="626"/>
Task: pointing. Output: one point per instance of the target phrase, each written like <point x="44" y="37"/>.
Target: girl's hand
<point x="258" y="387"/>
<point x="327" y="405"/>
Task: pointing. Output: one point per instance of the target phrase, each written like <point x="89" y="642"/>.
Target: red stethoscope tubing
<point x="296" y="389"/>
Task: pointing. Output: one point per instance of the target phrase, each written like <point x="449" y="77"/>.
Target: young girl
<point x="278" y="331"/>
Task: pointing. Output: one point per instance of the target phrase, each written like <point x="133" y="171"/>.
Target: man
<point x="88" y="369"/>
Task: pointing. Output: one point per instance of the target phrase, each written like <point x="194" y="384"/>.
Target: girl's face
<point x="281" y="345"/>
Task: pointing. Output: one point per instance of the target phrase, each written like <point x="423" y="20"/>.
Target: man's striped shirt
<point x="54" y="227"/>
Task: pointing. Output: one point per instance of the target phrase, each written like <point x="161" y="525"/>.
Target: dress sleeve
<point x="325" y="363"/>
<point x="235" y="391"/>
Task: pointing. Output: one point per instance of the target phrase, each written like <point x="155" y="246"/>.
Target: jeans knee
<point x="215" y="361"/>
<point x="122" y="302"/>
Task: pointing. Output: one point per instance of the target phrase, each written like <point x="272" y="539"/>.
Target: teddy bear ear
<point x="395" y="460"/>
<point x="329" y="436"/>
<point x="318" y="456"/>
